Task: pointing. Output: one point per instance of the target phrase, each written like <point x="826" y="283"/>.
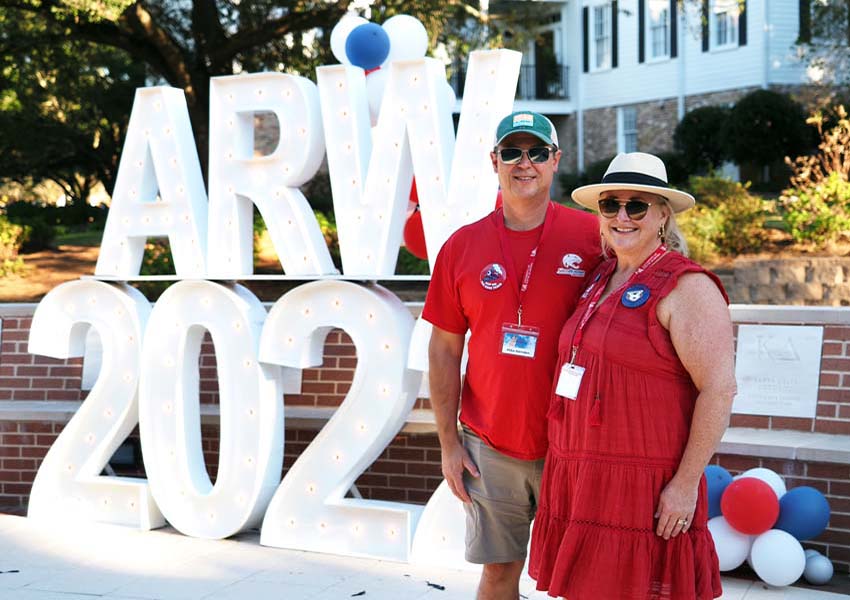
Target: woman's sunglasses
<point x="513" y="156"/>
<point x="635" y="209"/>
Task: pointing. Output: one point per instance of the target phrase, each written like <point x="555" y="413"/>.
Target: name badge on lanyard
<point x="519" y="340"/>
<point x="569" y="381"/>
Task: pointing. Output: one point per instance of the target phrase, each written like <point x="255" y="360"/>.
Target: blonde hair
<point x="673" y="237"/>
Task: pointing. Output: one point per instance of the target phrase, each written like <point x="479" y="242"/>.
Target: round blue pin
<point x="635" y="295"/>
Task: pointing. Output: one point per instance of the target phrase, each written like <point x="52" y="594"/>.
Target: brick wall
<point x="409" y="468"/>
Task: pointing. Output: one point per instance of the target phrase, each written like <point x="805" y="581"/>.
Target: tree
<point x="185" y="43"/>
<point x="824" y="39"/>
<point x="63" y="108"/>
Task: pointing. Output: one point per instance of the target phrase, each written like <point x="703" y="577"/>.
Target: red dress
<point x="594" y="534"/>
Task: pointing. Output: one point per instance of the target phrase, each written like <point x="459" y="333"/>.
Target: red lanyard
<point x="509" y="262"/>
<point x="597" y="294"/>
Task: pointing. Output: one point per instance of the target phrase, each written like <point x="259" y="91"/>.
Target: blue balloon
<point x="717" y="479"/>
<point x="367" y="46"/>
<point x="803" y="512"/>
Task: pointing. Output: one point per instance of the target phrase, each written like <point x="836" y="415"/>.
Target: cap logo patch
<point x="571" y="265"/>
<point x="493" y="276"/>
<point x="523" y="120"/>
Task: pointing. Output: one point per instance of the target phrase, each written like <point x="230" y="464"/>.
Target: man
<point x="511" y="279"/>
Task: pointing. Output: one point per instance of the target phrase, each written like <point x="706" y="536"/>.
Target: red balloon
<point x="498" y="200"/>
<point x="750" y="505"/>
<point x="414" y="235"/>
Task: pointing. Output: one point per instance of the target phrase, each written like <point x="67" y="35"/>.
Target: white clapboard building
<point x="618" y="75"/>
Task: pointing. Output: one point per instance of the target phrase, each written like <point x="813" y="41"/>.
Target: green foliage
<point x="11" y="238"/>
<point x="328" y="228"/>
<point x="727" y="219"/>
<point x="410" y="265"/>
<point x="818" y="213"/>
<point x="816" y="207"/>
<point x="65" y="105"/>
<point x="765" y="126"/>
<point x="823" y="40"/>
<point x="44" y="222"/>
<point x="701" y="226"/>
<point x="698" y="138"/>
<point x="40" y="222"/>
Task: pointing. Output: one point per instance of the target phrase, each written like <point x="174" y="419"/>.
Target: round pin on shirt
<point x="635" y="295"/>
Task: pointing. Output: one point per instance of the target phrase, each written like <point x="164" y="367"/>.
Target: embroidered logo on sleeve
<point x="493" y="276"/>
<point x="571" y="265"/>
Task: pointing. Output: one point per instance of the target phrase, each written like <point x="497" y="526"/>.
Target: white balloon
<point x="376" y="83"/>
<point x="810" y="553"/>
<point x="732" y="546"/>
<point x="771" y="478"/>
<point x="340" y="33"/>
<point x="778" y="558"/>
<point x="408" y="38"/>
<point x="818" y="570"/>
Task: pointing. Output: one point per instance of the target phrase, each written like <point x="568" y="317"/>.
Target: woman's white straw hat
<point x="634" y="171"/>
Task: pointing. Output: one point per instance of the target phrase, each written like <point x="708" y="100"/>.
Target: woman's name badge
<point x="569" y="381"/>
<point x="519" y="340"/>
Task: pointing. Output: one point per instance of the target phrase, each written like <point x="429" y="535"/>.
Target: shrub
<point x="11" y="238"/>
<point x="816" y="207"/>
<point x="39" y="221"/>
<point x="699" y="140"/>
<point x="764" y="127"/>
<point x="727" y="220"/>
<point x="818" y="213"/>
<point x="701" y="226"/>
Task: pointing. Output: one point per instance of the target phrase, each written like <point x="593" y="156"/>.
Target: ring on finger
<point x="683" y="522"/>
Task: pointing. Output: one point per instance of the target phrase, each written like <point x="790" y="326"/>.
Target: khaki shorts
<point x="504" y="500"/>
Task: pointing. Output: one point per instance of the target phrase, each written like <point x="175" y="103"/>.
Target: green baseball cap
<point x="526" y="121"/>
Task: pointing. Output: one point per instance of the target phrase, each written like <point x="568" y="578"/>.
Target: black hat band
<point x="634" y="178"/>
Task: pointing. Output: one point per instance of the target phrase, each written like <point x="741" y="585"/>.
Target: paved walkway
<point x="41" y="563"/>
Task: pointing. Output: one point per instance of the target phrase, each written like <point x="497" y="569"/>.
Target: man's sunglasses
<point x="513" y="156"/>
<point x="635" y="209"/>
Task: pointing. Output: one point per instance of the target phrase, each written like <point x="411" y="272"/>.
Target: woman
<point x="644" y="389"/>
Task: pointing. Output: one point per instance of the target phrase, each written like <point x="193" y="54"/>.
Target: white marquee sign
<point x="150" y="374"/>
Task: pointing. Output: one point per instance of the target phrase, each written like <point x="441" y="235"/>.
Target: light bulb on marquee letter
<point x="159" y="157"/>
<point x="251" y="435"/>
<point x="309" y="510"/>
<point x="238" y="179"/>
<point x="69" y="485"/>
<point x="414" y="134"/>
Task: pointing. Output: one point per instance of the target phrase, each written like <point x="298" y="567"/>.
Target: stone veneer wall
<point x="816" y="281"/>
<point x="600" y="134"/>
<point x="566" y="126"/>
<point x="656" y="122"/>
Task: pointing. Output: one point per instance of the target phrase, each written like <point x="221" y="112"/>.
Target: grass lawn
<point x="87" y="237"/>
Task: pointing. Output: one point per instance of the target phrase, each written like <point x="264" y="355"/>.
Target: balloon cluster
<point x="356" y="41"/>
<point x="752" y="517"/>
